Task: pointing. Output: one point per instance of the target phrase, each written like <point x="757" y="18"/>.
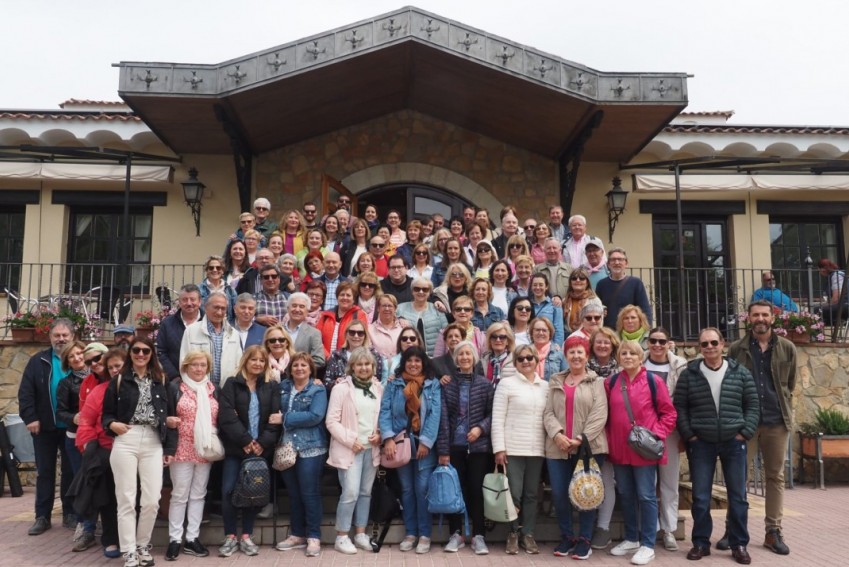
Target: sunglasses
<point x="463" y="309"/>
<point x="409" y="339"/>
<point x="309" y="212"/>
<point x="141" y="350"/>
<point x="368" y="285"/>
<point x="355" y="333"/>
<point x="530" y="227"/>
<point x="456" y="274"/>
<point x="515" y="246"/>
<point x="377" y="244"/>
<point x="261" y="208"/>
<point x="246" y="222"/>
<point x="498" y="337"/>
<point x="214" y="269"/>
<point x="277" y="340"/>
<point x="421" y="253"/>
<point x="592" y="318"/>
<point x="343" y="201"/>
<point x="421" y="289"/>
<point x="660" y="342"/>
<point x="484" y="249"/>
<point x="577" y="278"/>
<point x="94" y="359"/>
<point x="705" y="344"/>
<point x="524" y="308"/>
<point x="270" y="276"/>
<point x="528" y="358"/>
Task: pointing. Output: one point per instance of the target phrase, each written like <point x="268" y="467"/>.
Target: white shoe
<point x="455" y="543"/>
<point x="363" y="542"/>
<point x="479" y="545"/>
<point x="408" y="543"/>
<point x="669" y="542"/>
<point x="423" y="546"/>
<point x="344" y="545"/>
<point x="625" y="548"/>
<point x="643" y="556"/>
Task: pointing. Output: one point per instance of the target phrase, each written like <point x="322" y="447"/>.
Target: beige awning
<point x="86" y="172"/>
<point x="742" y="182"/>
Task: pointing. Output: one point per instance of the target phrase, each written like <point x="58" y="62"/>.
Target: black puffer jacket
<point x="68" y="401"/>
<point x="233" y="421"/>
<point x="479" y="412"/>
<point x="122" y="396"/>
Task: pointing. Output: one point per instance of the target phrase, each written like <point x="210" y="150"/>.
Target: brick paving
<point x="815" y="527"/>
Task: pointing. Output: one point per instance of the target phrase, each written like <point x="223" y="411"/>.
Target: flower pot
<point x="833" y="446"/>
<point x="144" y="332"/>
<point x="40" y="337"/>
<point x="23" y="334"/>
<point x="799" y="338"/>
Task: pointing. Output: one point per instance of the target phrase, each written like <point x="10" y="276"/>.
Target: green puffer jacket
<point x="739" y="409"/>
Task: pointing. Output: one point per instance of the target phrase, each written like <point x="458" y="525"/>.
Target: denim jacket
<point x="393" y="415"/>
<point x="492" y="315"/>
<point x="546" y="309"/>
<point x="305" y="422"/>
<point x="555" y="361"/>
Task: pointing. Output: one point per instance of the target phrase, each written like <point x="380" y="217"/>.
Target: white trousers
<point x="137" y="459"/>
<point x="668" y="476"/>
<point x="189" y="482"/>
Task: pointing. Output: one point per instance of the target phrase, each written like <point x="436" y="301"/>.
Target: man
<point x="555" y="223"/>
<point x="620" y="289"/>
<point x="250" y="332"/>
<point x="377" y="247"/>
<point x="171" y="330"/>
<point x="717" y="404"/>
<point x="304" y="337"/>
<point x="331" y="278"/>
<point x="772" y="362"/>
<point x="270" y="300"/>
<point x="247" y="221"/>
<point x="555" y="270"/>
<point x="769" y="292"/>
<point x="596" y="262"/>
<point x="398" y="283"/>
<point x="438" y="221"/>
<point x="122" y="335"/>
<point x="529" y="227"/>
<point x="509" y="227"/>
<point x="213" y="334"/>
<point x="251" y="282"/>
<point x="37" y="405"/>
<point x="468" y="215"/>
<point x="310" y="211"/>
<point x="573" y="247"/>
<point x="262" y="210"/>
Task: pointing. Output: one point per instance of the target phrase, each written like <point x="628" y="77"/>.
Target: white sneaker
<point x="479" y="545"/>
<point x="423" y="546"/>
<point x="643" y="556"/>
<point x="408" y="543"/>
<point x="625" y="548"/>
<point x="669" y="541"/>
<point x="455" y="543"/>
<point x="344" y="545"/>
<point x="363" y="542"/>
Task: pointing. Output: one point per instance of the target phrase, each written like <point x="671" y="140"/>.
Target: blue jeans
<point x="636" y="487"/>
<point x="303" y="481"/>
<point x="560" y="475"/>
<point x="229" y="476"/>
<point x="355" y="501"/>
<point x="732" y="456"/>
<point x="417" y="520"/>
<point x="47" y="445"/>
<point x="76" y="460"/>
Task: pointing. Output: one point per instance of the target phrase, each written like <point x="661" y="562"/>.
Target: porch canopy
<point x="406" y="59"/>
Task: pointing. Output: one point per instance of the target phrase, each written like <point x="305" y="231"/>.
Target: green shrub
<point x="832" y="422"/>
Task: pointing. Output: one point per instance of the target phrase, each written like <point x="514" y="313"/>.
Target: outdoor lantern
<point x="616" y="198"/>
<point x="193" y="192"/>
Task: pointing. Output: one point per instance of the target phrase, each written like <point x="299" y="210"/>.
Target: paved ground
<point x="815" y="528"/>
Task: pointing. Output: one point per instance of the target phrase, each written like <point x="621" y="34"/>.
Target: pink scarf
<point x="543" y="354"/>
<point x="278" y="367"/>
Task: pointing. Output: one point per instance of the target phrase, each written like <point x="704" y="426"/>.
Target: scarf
<point x="80" y="374"/>
<point x="278" y="367"/>
<point x="603" y="370"/>
<point x="574" y="306"/>
<point x="635" y="336"/>
<point x="543" y="353"/>
<point x="412" y="391"/>
<point x="493" y="372"/>
<point x="365" y="386"/>
<point x="204" y="431"/>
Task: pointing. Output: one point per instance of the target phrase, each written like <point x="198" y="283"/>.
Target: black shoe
<point x="69" y="522"/>
<point x="196" y="548"/>
<point x="775" y="543"/>
<point x="40" y="526"/>
<point x="723" y="544"/>
<point x="740" y="555"/>
<point x="697" y="553"/>
<point x="173" y="551"/>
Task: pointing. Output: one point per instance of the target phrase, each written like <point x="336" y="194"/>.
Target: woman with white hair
<point x="422" y="314"/>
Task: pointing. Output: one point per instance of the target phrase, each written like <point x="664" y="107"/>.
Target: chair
<point x="105" y="299"/>
<point x="12" y="299"/>
<point x="163" y="294"/>
<point x="121" y="311"/>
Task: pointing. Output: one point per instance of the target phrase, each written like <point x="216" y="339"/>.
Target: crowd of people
<point x="350" y="341"/>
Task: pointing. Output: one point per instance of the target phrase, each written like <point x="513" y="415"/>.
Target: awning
<point x="739" y="182"/>
<point x="86" y="172"/>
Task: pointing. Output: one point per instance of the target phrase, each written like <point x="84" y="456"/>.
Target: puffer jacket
<point x="68" y="401"/>
<point x="517" y="412"/>
<point x="233" y="410"/>
<point x="589" y="413"/>
<point x="432" y="320"/>
<point x="479" y="414"/>
<point x="739" y="408"/>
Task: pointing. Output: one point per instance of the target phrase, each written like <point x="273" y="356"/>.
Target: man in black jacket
<point x="171" y="330"/>
<point x="398" y="283"/>
<point x="37" y="403"/>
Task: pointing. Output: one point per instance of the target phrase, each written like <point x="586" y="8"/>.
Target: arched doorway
<point x="412" y="200"/>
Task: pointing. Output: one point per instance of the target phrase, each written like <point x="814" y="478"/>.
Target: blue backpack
<point x="445" y="495"/>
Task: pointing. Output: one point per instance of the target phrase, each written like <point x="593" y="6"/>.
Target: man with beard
<point x="122" y="335"/>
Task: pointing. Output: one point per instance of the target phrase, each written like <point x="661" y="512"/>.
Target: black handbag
<point x="644" y="443"/>
<point x="385" y="505"/>
<point x="253" y="486"/>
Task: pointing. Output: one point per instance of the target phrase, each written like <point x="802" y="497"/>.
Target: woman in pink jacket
<point x="351" y="420"/>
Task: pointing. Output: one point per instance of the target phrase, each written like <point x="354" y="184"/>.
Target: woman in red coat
<point x="332" y="324"/>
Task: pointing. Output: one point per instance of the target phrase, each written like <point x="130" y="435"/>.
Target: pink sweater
<point x="342" y="423"/>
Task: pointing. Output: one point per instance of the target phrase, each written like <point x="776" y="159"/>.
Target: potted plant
<point x="829" y="430"/>
<point x="800" y="327"/>
<point x="22" y="325"/>
<point x="39" y="320"/>
<point x="147" y="323"/>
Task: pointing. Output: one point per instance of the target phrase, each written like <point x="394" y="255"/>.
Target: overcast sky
<point x="772" y="62"/>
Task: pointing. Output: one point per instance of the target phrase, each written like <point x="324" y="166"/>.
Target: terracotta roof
<point x="86" y="101"/>
<point x="725" y="113"/>
<point x="735" y="129"/>
<point x="69" y="115"/>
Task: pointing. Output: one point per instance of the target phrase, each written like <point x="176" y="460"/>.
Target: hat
<point x="95" y="347"/>
<point x="595" y="242"/>
<point x="128" y="329"/>
<point x="491" y="247"/>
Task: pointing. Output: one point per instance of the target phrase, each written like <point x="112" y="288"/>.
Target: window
<point x="791" y="239"/>
<point x="11" y="246"/>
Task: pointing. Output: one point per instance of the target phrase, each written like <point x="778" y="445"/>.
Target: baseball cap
<point x="595" y="242"/>
<point x="129" y="329"/>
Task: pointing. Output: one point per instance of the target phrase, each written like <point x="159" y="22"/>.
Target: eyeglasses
<point x="769" y="279"/>
<point x="617" y="259"/>
<point x="141" y="350"/>
<point x="377" y="244"/>
<point x="355" y="333"/>
<point x="577" y="278"/>
<point x="541" y="330"/>
<point x="457" y="274"/>
<point x="270" y="276"/>
<point x="94" y="359"/>
<point x="530" y="226"/>
<point x="368" y="285"/>
<point x="261" y="208"/>
<point x="498" y="337"/>
<point x="248" y="221"/>
<point x="315" y="296"/>
<point x="312" y="212"/>
<point x="515" y="246"/>
<point x="343" y="201"/>
<point x="705" y="344"/>
<point x="214" y="269"/>
<point x="528" y="358"/>
<point x="442" y="240"/>
<point x="524" y="308"/>
<point x="409" y="339"/>
<point x="421" y="253"/>
<point x="421" y="289"/>
<point x="401" y="267"/>
<point x="592" y="318"/>
<point x="277" y="340"/>
<point x="463" y="309"/>
<point x="660" y="342"/>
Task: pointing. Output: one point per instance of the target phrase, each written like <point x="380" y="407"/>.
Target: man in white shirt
<point x="213" y="334"/>
<point x="573" y="247"/>
<point x="304" y="337"/>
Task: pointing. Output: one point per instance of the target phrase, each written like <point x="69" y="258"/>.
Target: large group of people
<point x="349" y="342"/>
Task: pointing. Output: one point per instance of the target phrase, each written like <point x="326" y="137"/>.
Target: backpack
<point x="445" y="495"/>
<point x="253" y="487"/>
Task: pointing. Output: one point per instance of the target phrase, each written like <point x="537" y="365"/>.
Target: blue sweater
<point x="616" y="294"/>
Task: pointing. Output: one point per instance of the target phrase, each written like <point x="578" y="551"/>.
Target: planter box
<point x="833" y="446"/>
<point x="23" y="334"/>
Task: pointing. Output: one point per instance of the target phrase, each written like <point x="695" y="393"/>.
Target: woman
<point x="423" y="315"/>
<point x="414" y="233"/>
<point x="368" y="292"/>
<point x="235" y="262"/>
<point x="537" y="241"/>
<point x="501" y="276"/>
<point x="412" y="404"/>
<point x="633" y="325"/>
<point x="316" y="291"/>
<point x="134" y="410"/>
<point x="352" y="422"/>
<point x="524" y="266"/>
<point x="443" y="366"/>
<point x="278" y="345"/>
<point x="835" y="303"/>
<point x="422" y="264"/>
<point x="409" y="337"/>
<point x="519" y="316"/>
<point x="458" y="282"/>
<point x="252" y="238"/>
<point x="275" y="244"/>
<point x="461" y="312"/>
<point x="592" y="316"/>
<point x="576" y="410"/>
<point x="314" y="263"/>
<point x="371" y="218"/>
<point x="667" y="366"/>
<point x="397" y="237"/>
<point x="453" y="255"/>
<point x="551" y="358"/>
<point x="214" y="270"/>
<point x="384" y="233"/>
<point x="485" y="257"/>
<point x="474" y="235"/>
<point x="385" y="329"/>
<point x="543" y="306"/>
<point x="304" y="407"/>
<point x="636" y="477"/>
<point x="464" y="441"/>
<point x="332" y="324"/>
<point x="316" y="242"/>
<point x="287" y="264"/>
<point x="193" y="416"/>
<point x="344" y="218"/>
<point x="437" y="245"/>
<point x="518" y="410"/>
<point x="516" y="247"/>
<point x="294" y="229"/>
<point x="482" y="218"/>
<point x="457" y="230"/>
<point x="105" y="365"/>
<point x="604" y="345"/>
<point x="365" y="263"/>
<point x="249" y="426"/>
<point x="356" y="336"/>
<point x="333" y="237"/>
<point x="497" y="360"/>
<point x="356" y="245"/>
<point x="485" y="313"/>
<point x="578" y="294"/>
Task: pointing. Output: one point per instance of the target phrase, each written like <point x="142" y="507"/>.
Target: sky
<point x="771" y="62"/>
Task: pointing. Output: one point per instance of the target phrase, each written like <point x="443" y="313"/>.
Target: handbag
<point x="403" y="452"/>
<point x="253" y="487"/>
<point x="645" y="443"/>
<point x="214" y="452"/>
<point x="497" y="502"/>
<point x="285" y="456"/>
<point x="586" y="489"/>
<point x="385" y="505"/>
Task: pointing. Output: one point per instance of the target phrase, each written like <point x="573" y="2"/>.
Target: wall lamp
<point x="193" y="192"/>
<point x="616" y="198"/>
